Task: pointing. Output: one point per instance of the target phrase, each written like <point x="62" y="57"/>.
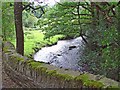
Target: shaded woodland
<point x="98" y="23"/>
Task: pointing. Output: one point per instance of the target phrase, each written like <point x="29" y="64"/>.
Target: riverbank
<point x="35" y="39"/>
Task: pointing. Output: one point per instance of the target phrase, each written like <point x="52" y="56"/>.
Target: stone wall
<point x="33" y="74"/>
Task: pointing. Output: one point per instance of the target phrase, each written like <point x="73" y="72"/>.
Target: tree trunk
<point x="93" y="12"/>
<point x="19" y="27"/>
<point x="118" y="22"/>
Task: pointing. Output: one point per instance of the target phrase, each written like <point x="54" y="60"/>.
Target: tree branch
<point x="82" y="14"/>
<point x="33" y="9"/>
<point x="86" y="8"/>
<point x="26" y="6"/>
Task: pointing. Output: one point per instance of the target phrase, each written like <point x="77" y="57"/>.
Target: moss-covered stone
<point x="8" y="45"/>
<point x="43" y="69"/>
<point x="94" y="84"/>
<point x="17" y="58"/>
<point x="113" y="87"/>
<point x="5" y="50"/>
<point x="34" y="64"/>
<point x="87" y="82"/>
<point x="40" y="68"/>
<point x="66" y="77"/>
<point x="82" y="77"/>
<point x="29" y="61"/>
<point x="52" y="72"/>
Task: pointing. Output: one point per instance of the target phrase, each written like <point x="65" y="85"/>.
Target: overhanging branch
<point x="29" y="6"/>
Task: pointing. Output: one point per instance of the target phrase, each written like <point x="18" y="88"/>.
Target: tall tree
<point x="118" y="22"/>
<point x="18" y="26"/>
<point x="18" y="8"/>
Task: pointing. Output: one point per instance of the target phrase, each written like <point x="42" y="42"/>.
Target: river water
<point x="65" y="54"/>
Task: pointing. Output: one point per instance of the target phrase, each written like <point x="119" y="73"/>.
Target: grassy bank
<point x="35" y="38"/>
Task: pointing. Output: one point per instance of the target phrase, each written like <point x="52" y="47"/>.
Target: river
<point x="65" y="54"/>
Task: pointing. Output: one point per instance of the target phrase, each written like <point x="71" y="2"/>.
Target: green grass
<point x="31" y="39"/>
<point x="36" y="36"/>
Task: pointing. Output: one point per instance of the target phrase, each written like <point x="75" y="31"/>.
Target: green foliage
<point x="60" y="20"/>
<point x="29" y="20"/>
<point x="8" y="21"/>
<point x="35" y="39"/>
<point x="102" y="55"/>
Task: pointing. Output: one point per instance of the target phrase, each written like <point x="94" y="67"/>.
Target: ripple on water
<point x="65" y="54"/>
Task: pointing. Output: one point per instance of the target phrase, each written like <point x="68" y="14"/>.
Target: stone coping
<point x="41" y="72"/>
